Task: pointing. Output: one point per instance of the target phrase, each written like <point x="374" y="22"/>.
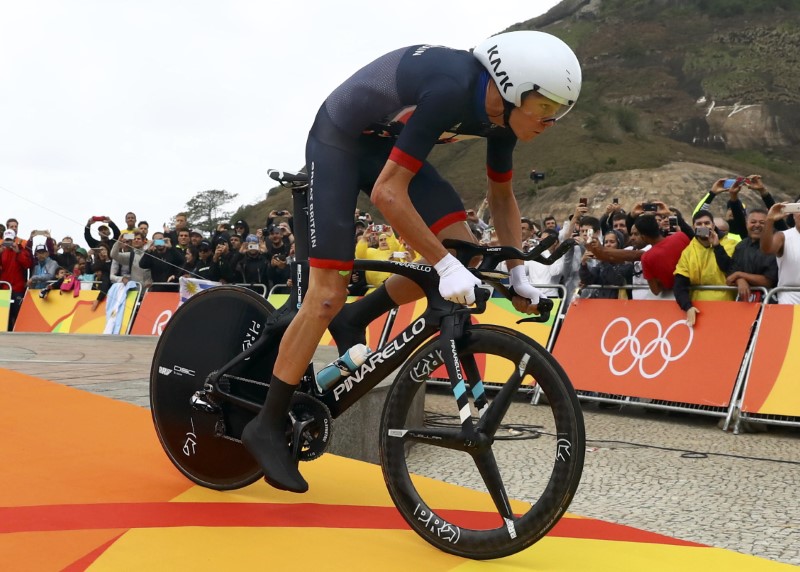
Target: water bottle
<point x="345" y="365"/>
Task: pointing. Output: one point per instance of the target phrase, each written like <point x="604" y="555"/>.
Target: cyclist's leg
<point x="441" y="208"/>
<point x="333" y="172"/>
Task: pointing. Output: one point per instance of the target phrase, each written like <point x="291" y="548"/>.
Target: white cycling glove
<point x="521" y="286"/>
<point x="456" y="283"/>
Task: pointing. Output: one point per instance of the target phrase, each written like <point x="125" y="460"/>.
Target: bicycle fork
<point x="477" y="441"/>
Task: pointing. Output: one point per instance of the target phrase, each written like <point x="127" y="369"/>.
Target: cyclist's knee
<point x="325" y="300"/>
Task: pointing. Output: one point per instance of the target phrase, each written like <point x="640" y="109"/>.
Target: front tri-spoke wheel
<point x="523" y="462"/>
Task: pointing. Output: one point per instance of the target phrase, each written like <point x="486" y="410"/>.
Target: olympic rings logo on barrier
<point x="640" y="351"/>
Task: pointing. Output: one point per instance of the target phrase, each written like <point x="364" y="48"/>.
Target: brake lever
<point x="544" y="307"/>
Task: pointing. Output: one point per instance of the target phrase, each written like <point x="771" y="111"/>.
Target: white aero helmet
<point x="523" y="61"/>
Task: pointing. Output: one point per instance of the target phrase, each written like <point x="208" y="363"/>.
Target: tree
<point x="204" y="210"/>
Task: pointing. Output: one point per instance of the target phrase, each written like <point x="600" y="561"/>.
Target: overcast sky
<point x="110" y="106"/>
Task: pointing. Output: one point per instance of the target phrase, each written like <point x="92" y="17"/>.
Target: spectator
<point x="144" y="228"/>
<point x="44" y="268"/>
<point x="387" y="245"/>
<point x="14" y="264"/>
<point x="593" y="271"/>
<point x="756" y="183"/>
<point x="130" y="222"/>
<point x="274" y="242"/>
<point x="195" y="237"/>
<point x="749" y="266"/>
<point x="100" y="268"/>
<point x="785" y="245"/>
<point x="236" y="243"/>
<point x="67" y="257"/>
<point x="251" y="268"/>
<point x="606" y="221"/>
<point x="105" y="231"/>
<point x="222" y="228"/>
<point x="129" y="254"/>
<point x="13" y="224"/>
<point x="734" y="209"/>
<point x="222" y="269"/>
<point x="120" y="265"/>
<point x="476" y="225"/>
<point x="184" y="239"/>
<point x="241" y="228"/>
<point x="288" y="222"/>
<point x="661" y="259"/>
<point x="698" y="267"/>
<point x="180" y="224"/>
<point x="550" y="223"/>
<point x="540" y="274"/>
<point x="191" y="258"/>
<point x="204" y="261"/>
<point x="619" y="222"/>
<point x="164" y="262"/>
<point x="278" y="271"/>
<point x="527" y="229"/>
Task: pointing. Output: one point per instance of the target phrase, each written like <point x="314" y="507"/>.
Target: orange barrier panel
<point x="5" y="309"/>
<point x="154" y="312"/>
<point x="772" y="386"/>
<point x="64" y="313"/>
<point x="642" y="348"/>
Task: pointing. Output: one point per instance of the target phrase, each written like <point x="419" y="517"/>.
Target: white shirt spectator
<point x="789" y="266"/>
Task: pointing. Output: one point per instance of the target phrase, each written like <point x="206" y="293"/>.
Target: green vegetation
<point x="652" y="71"/>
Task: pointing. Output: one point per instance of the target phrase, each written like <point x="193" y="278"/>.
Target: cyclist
<point x="374" y="133"/>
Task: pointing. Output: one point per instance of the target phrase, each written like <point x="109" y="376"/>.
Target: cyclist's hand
<point x="523" y="288"/>
<point x="456" y="283"/>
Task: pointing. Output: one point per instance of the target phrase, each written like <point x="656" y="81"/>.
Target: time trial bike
<point x="214" y="360"/>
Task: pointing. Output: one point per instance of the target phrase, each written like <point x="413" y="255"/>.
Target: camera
<point x="650" y="207"/>
<point x="702" y="232"/>
<point x="791" y="208"/>
<point x="735" y="182"/>
<point x="537" y="176"/>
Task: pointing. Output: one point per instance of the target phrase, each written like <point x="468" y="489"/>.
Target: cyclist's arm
<point x="390" y="195"/>
<point x="506" y="216"/>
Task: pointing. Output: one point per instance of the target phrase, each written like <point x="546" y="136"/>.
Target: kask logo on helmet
<point x="638" y="347"/>
<point x="503" y="81"/>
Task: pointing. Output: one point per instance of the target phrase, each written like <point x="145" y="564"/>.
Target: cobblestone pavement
<point x="740" y="494"/>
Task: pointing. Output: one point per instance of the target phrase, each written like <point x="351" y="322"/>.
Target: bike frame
<point x="440" y="316"/>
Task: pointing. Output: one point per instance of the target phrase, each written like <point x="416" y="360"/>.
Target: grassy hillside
<point x="647" y="64"/>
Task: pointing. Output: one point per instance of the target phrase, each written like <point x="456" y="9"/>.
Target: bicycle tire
<point x="479" y="534"/>
<point x="205" y="333"/>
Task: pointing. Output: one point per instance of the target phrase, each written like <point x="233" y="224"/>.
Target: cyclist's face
<point x="536" y="114"/>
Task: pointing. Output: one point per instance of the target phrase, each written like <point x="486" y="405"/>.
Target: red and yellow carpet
<point x="84" y="484"/>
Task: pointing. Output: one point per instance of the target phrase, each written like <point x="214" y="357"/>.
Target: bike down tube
<point x="379" y="365"/>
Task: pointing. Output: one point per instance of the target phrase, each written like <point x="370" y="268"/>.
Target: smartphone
<point x="589" y="235"/>
<point x="583" y="201"/>
<point x="615" y="200"/>
<point x="702" y="232"/>
<point x="791" y="208"/>
<point x="673" y="224"/>
<point x="98" y="218"/>
<point x="400" y="255"/>
<point x="650" y="207"/>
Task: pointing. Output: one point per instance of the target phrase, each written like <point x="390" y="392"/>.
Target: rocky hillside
<point x="676" y="94"/>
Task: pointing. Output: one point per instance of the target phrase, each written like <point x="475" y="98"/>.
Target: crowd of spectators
<point x="231" y="254"/>
<point x="652" y="252"/>
<point x="649" y="247"/>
